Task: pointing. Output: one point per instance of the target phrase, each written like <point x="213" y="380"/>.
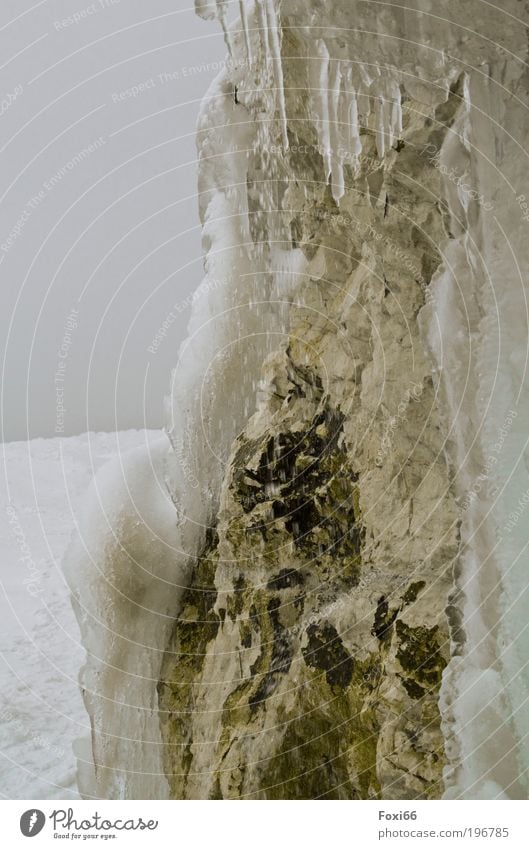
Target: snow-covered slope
<point x="42" y="488"/>
<point x="127" y="571"/>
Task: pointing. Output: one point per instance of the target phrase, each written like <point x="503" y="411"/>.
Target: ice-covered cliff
<point x="347" y="414"/>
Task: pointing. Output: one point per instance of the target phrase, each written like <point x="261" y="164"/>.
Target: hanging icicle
<point x="221" y="15"/>
<point x="380" y="126"/>
<point x="356" y="144"/>
<point x="396" y="112"/>
<point x="263" y="31"/>
<point x="275" y="43"/>
<point x="367" y="75"/>
<point x="244" y="24"/>
<point x="320" y="102"/>
<point x="206" y="9"/>
<point x="337" y="174"/>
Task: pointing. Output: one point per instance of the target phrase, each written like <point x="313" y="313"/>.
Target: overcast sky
<point x="99" y="230"/>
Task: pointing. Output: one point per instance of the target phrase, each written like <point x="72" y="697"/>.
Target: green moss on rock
<point x="325" y="651"/>
<point x="419" y="654"/>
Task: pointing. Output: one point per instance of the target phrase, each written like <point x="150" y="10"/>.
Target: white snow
<point x="42" y="487"/>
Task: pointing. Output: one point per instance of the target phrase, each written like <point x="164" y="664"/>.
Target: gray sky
<point x="99" y="230"/>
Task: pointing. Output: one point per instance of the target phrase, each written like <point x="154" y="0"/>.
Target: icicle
<point x="344" y="108"/>
<point x="395" y="116"/>
<point x="367" y="79"/>
<point x="380" y="126"/>
<point x="398" y="112"/>
<point x="263" y="30"/>
<point x="244" y="23"/>
<point x="356" y="144"/>
<point x="320" y="87"/>
<point x="353" y="115"/>
<point x="273" y="28"/>
<point x="388" y="122"/>
<point x="337" y="179"/>
<point x="221" y="15"/>
<point x="206" y="9"/>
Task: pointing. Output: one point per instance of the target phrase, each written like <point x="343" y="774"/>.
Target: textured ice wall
<point x="126" y="572"/>
<point x="478" y="332"/>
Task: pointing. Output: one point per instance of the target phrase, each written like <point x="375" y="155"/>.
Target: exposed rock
<point x="317" y="668"/>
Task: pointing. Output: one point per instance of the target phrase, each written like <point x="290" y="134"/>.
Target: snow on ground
<point x="41" y="712"/>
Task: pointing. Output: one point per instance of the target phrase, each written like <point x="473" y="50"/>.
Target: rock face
<point x="307" y="658"/>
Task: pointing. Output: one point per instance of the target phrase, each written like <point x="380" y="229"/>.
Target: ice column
<point x="244" y="24"/>
<point x="221" y="15"/>
<point x="275" y="47"/>
<point x="320" y="92"/>
<point x="337" y="175"/>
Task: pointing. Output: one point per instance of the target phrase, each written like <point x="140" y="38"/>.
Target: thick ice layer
<point x="477" y="331"/>
<point x="275" y="46"/>
<point x="320" y="87"/>
<point x="244" y="23"/>
<point x="41" y="709"/>
<point x="126" y="571"/>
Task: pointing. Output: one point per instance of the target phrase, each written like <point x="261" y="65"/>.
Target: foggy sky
<point x="99" y="230"/>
